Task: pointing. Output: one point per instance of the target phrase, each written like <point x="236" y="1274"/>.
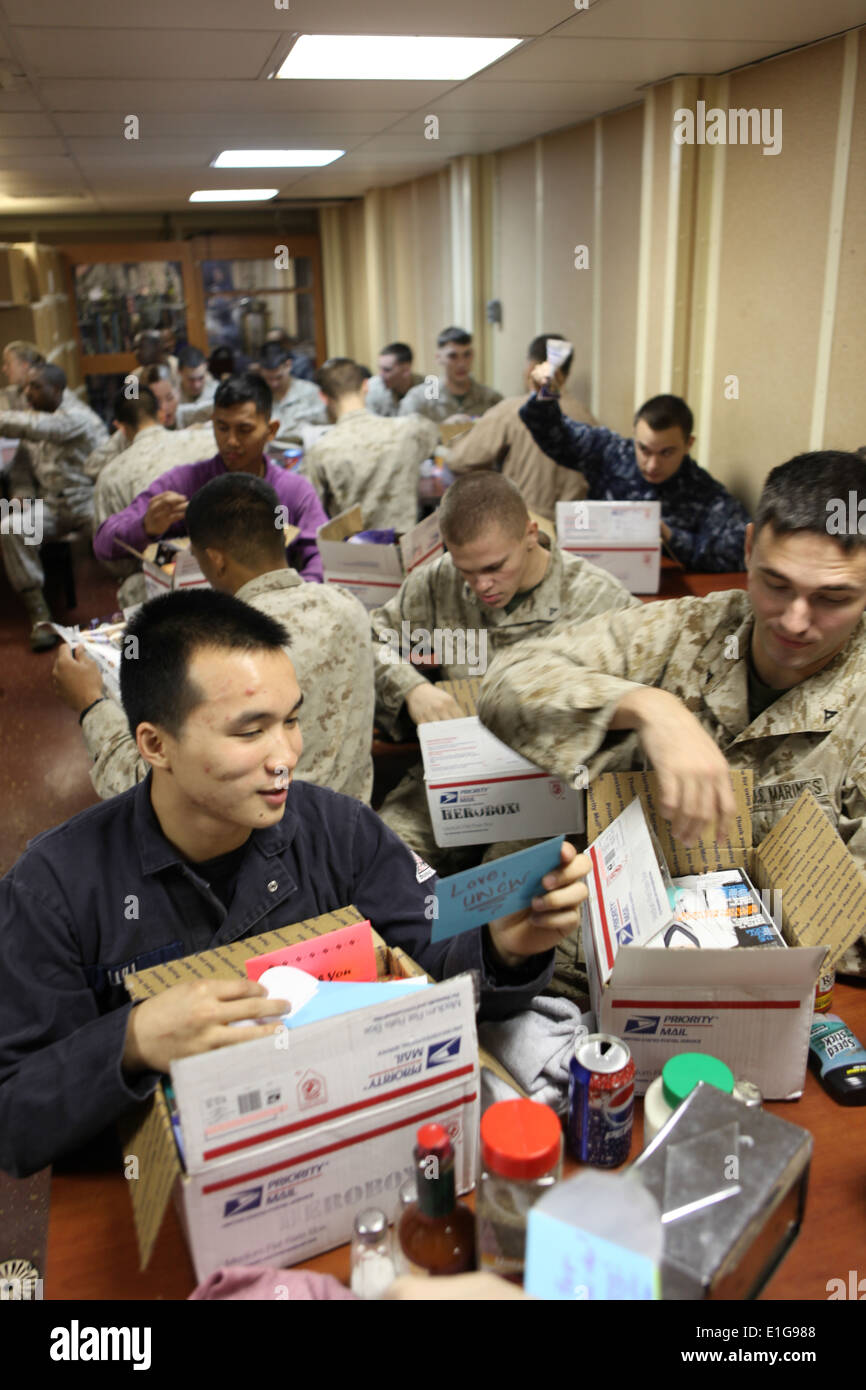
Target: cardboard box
<point x="374" y="573"/>
<point x="15" y="284"/>
<point x="751" y="1007"/>
<point x="480" y="791"/>
<point x="622" y="537"/>
<point x="285" y="1144"/>
<point x="46" y="268"/>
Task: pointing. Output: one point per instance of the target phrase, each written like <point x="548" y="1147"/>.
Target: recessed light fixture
<point x="275" y="159"/>
<point x="397" y="58"/>
<point x="233" y="195"/>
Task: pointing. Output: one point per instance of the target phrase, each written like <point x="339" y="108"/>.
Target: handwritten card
<point x="467" y="900"/>
<point x="346" y="954"/>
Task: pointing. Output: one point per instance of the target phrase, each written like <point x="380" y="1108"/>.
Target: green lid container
<point x="681" y="1074"/>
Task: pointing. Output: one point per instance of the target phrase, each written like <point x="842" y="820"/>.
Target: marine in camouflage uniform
<point x="330" y="651"/>
<point x="438" y="401"/>
<point x="435" y="596"/>
<point x="553" y="701"/>
<point x="707" y="524"/>
<point x="373" y="462"/>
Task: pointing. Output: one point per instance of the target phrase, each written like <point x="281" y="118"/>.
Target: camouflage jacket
<point x="301" y="404"/>
<point x="435" y="599"/>
<point x="707" y="524"/>
<point x="330" y="651"/>
<point x="478" y="398"/>
<point x="553" y="701"/>
<point x="381" y="400"/>
<point x="373" y="462"/>
<point x="60" y="442"/>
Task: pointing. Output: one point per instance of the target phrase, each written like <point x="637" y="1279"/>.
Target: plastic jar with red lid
<point x="521" y="1157"/>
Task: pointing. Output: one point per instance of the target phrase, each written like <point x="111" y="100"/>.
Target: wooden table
<point x="92" y="1252"/>
<point x="677" y="583"/>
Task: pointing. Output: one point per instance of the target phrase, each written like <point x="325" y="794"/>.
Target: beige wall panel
<point x="622" y="136"/>
<point x="659" y="226"/>
<point x="845" y="426"/>
<point x="774" y="238"/>
<point x="515" y="234"/>
<point x="432" y="256"/>
<point x="566" y="304"/>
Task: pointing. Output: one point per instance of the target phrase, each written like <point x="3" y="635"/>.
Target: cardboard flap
<point x="341" y="527"/>
<point x="422" y="543"/>
<point x="227" y="962"/>
<point x="449" y="433"/>
<point x="823" y="890"/>
<point x="147" y="1136"/>
<point x="659" y="970"/>
<point x="608" y="796"/>
<point x="290" y="534"/>
<point x="465" y="692"/>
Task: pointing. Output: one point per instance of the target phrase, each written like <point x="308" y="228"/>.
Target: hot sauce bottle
<point x="437" y="1233"/>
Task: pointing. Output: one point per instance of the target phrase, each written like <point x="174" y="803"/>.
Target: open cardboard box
<point x="752" y="1007"/>
<point x="374" y="573"/>
<point x="284" y="1145"/>
<point x="621" y="537"/>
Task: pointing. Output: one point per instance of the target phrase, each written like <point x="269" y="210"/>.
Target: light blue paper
<point x="564" y="1262"/>
<point x="343" y="996"/>
<point x="467" y="900"/>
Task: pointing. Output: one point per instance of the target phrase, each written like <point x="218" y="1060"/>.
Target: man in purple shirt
<point x="243" y="428"/>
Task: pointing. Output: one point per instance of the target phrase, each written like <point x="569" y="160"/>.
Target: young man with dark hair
<point x="500" y="583"/>
<point x="61" y="433"/>
<point x="702" y="525"/>
<point x="243" y="428"/>
<point x="365" y="459"/>
<point x="501" y="440"/>
<point x="455" y="392"/>
<point x="770" y="679"/>
<point x="234" y="536"/>
<point x="296" y="403"/>
<point x="218" y="844"/>
<point x="196" y="386"/>
<point x="395" y="378"/>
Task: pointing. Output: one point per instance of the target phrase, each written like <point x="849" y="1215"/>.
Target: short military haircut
<point x="144" y="406"/>
<point x="154" y="674"/>
<point x="25" y="352"/>
<point x="247" y="386"/>
<point x="238" y="514"/>
<point x="665" y="413"/>
<point x="453" y="335"/>
<point x="401" y="352"/>
<point x="52" y="375"/>
<point x="537" y="351"/>
<point x="158" y="371"/>
<point x="273" y="356"/>
<point x="341" y="376"/>
<point x="190" y="356"/>
<point x="478" y="501"/>
<point x="811" y="492"/>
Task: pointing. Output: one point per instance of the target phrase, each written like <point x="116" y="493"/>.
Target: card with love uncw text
<point x="469" y="899"/>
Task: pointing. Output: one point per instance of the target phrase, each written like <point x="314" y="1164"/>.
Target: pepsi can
<point x="600" y="1101"/>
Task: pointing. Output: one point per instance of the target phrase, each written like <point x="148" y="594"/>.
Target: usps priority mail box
<point x="374" y="573"/>
<point x="621" y="537"/>
<point x="751" y="1006"/>
<point x="284" y="1145"/>
<point x="480" y="791"/>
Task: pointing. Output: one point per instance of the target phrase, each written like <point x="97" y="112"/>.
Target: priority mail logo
<point x="642" y="1023"/>
<point x="448" y="799"/>
<point x="248" y="1200"/>
<point x="440" y="1053"/>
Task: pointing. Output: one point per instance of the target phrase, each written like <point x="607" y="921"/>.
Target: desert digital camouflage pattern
<point x="374" y="463"/>
<point x="553" y="701"/>
<point x="477" y="399"/>
<point x="330" y="651"/>
<point x="381" y="400"/>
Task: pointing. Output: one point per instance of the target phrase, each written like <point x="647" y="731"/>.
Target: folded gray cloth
<point x="537" y="1045"/>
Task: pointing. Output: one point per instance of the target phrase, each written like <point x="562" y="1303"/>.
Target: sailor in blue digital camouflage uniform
<point x="703" y="526"/>
<point x="216" y="844"/>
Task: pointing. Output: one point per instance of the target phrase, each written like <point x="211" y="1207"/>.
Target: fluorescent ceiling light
<point x="274" y="159"/>
<point x="401" y="58"/>
<point x="233" y="195"/>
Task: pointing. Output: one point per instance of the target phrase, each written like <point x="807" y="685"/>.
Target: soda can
<point x="600" y="1100"/>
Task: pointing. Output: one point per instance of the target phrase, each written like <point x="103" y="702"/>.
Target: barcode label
<point x="610" y="857"/>
<point x="252" y="1100"/>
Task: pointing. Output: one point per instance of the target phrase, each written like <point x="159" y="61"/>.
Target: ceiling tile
<point x="785" y="22"/>
<point x="620" y="60"/>
<point x="145" y="53"/>
<point x="567" y="97"/>
<point x="141" y="97"/>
